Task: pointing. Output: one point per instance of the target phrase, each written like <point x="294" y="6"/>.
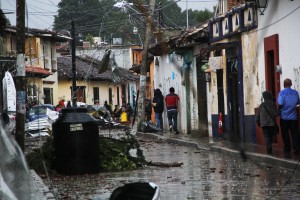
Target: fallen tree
<point x="115" y="155"/>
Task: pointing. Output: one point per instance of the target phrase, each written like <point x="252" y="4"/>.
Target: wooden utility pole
<point x="143" y="75"/>
<point x="20" y="78"/>
<point x="74" y="87"/>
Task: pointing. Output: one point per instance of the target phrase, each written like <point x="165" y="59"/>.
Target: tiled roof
<point x="184" y="39"/>
<point x="36" y="71"/>
<point x="86" y="69"/>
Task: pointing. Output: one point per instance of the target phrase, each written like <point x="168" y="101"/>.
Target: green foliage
<point x="38" y="159"/>
<point x="114" y="154"/>
<point x="89" y="38"/>
<point x="202" y="16"/>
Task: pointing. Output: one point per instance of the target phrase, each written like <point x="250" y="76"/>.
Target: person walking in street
<point x="158" y="105"/>
<point x="288" y="99"/>
<point x="172" y="100"/>
<point x="265" y="118"/>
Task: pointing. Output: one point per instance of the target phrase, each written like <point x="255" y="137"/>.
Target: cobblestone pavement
<point x="205" y="174"/>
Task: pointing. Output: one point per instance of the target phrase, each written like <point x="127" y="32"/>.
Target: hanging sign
<point x="215" y="62"/>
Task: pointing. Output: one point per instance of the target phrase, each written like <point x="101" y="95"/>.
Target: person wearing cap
<point x="288" y="99"/>
<point x="265" y="118"/>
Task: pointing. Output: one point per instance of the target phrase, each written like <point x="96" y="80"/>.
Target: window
<point x="110" y="100"/>
<point x="96" y="94"/>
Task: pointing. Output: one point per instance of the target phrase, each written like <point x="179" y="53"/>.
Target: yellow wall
<point x="64" y="91"/>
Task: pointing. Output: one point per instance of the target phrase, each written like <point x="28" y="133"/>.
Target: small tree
<point x="90" y="38"/>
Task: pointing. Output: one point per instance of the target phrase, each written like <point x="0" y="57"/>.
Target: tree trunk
<point x="143" y="75"/>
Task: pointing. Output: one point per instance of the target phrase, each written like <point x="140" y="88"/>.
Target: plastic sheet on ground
<point x="149" y="127"/>
<point x="15" y="178"/>
<point x="41" y="126"/>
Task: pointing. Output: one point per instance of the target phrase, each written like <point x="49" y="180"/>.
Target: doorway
<point x="272" y="77"/>
<point x="202" y="97"/>
<point x="233" y="99"/>
<point x="48" y="96"/>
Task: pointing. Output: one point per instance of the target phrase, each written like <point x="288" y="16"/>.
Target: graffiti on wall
<point x="170" y="82"/>
<point x="297" y="78"/>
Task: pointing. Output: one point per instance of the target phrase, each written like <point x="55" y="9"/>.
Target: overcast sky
<point x="40" y="12"/>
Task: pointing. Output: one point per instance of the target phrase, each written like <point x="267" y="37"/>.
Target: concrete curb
<point x="260" y="158"/>
<point x="172" y="140"/>
<point x="42" y="191"/>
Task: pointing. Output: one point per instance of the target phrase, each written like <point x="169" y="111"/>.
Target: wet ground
<point x="203" y="175"/>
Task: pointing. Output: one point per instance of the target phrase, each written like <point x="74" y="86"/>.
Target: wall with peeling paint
<point x="250" y="73"/>
<point x="282" y="18"/>
<point x="169" y="74"/>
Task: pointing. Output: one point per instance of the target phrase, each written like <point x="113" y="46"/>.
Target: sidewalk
<point x="253" y="152"/>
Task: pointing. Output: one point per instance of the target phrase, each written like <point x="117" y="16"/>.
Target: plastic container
<point x="76" y="142"/>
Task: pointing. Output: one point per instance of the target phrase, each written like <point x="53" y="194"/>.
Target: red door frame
<point x="271" y="44"/>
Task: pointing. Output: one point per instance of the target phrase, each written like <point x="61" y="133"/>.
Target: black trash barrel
<point x="76" y="142"/>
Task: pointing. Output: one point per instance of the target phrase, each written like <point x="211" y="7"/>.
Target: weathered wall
<point x="282" y="18"/>
<point x="193" y="96"/>
<point x="166" y="75"/>
<point x="250" y="73"/>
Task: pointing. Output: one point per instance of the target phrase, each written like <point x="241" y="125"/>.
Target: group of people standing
<point x="172" y="103"/>
<point x="288" y="102"/>
<point x="117" y="112"/>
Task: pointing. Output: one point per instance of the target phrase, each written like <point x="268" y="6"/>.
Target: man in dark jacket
<point x="158" y="105"/>
<point x="265" y="118"/>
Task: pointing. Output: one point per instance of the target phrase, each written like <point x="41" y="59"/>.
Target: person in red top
<point x="60" y="105"/>
<point x="172" y="100"/>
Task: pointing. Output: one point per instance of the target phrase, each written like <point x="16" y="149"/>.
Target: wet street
<point x="203" y="175"/>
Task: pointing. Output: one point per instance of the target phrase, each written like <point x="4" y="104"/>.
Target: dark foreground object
<point x="136" y="191"/>
<point x="76" y="142"/>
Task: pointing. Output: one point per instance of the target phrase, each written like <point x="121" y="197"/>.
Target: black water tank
<point x="76" y="142"/>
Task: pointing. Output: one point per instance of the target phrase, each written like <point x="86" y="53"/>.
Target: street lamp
<point x="207" y="72"/>
<point x="261" y="5"/>
<point x="207" y="76"/>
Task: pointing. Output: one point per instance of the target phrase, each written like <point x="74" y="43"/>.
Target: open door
<point x="272" y="77"/>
